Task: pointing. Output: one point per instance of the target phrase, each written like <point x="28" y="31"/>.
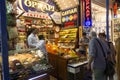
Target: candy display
<point x="24" y="64"/>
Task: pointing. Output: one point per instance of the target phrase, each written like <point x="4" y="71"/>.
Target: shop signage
<point x="36" y="15"/>
<point x="115" y="9"/>
<point x="35" y="5"/>
<point x="69" y="17"/>
<point x="67" y="24"/>
<point x="68" y="12"/>
<point x="56" y="16"/>
<point x="88" y="17"/>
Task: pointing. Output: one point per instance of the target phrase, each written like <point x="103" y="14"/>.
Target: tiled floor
<point x="52" y="78"/>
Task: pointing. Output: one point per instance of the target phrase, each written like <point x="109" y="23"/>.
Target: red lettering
<point x="34" y="15"/>
<point x="87" y="13"/>
<point x="27" y="14"/>
<point x="43" y="16"/>
<point x="31" y="15"/>
<point x="46" y="16"/>
<point x="69" y="24"/>
<point x="40" y="16"/>
<point x="37" y="15"/>
<point x="87" y="2"/>
<point x="88" y="7"/>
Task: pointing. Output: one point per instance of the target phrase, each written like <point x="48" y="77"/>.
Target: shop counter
<point x="76" y="71"/>
<point x="74" y="67"/>
<point x="61" y="66"/>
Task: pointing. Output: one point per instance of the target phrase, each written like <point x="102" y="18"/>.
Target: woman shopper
<point x="112" y="52"/>
<point x="117" y="45"/>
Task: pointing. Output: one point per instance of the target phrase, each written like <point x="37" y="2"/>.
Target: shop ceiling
<point x="66" y="4"/>
<point x="103" y="3"/>
<point x="98" y="9"/>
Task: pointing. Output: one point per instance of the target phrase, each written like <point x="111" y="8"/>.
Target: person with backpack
<point x="112" y="52"/>
<point x="96" y="60"/>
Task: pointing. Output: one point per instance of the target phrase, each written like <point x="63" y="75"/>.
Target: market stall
<point x="61" y="34"/>
<point x="64" y="53"/>
<point x="26" y="63"/>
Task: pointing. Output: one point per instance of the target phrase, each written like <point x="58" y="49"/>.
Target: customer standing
<point x="117" y="45"/>
<point x="33" y="38"/>
<point x="96" y="60"/>
<point x="112" y="52"/>
<point x="84" y="41"/>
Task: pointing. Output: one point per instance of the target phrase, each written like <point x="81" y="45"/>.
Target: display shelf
<point x="67" y="36"/>
<point x="116" y="28"/>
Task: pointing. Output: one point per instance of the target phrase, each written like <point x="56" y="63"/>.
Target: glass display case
<point x="26" y="64"/>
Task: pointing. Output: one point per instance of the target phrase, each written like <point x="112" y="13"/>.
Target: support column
<point x="4" y="45"/>
<point x="107" y="19"/>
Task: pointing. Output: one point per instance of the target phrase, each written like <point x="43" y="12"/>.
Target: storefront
<point x="59" y="27"/>
<point x="116" y="22"/>
<point x="61" y="24"/>
<point x="98" y="17"/>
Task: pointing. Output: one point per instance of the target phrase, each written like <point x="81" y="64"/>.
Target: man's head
<point x="84" y="34"/>
<point x="92" y="34"/>
<point x="102" y="35"/>
<point x="35" y="30"/>
<point x="41" y="37"/>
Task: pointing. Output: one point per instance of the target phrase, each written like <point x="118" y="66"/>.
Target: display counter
<point x="77" y="70"/>
<point x="61" y="65"/>
<point x="28" y="65"/>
